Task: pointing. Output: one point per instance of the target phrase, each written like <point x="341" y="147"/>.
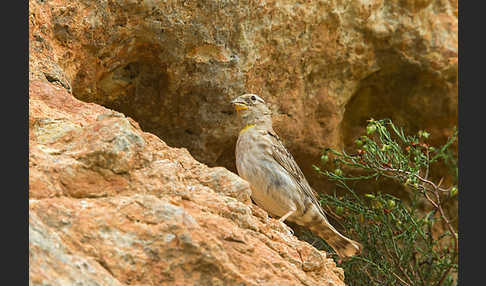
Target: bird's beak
<point x="239" y="105"/>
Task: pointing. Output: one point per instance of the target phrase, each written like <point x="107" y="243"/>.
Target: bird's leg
<point x="283" y="218"/>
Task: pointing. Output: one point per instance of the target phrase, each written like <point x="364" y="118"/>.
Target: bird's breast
<point x="272" y="188"/>
<point x="253" y="155"/>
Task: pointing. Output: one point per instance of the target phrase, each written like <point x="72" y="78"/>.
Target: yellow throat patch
<point x="248" y="126"/>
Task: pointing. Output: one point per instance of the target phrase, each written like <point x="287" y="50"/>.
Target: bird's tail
<point x="316" y="221"/>
<point x="344" y="246"/>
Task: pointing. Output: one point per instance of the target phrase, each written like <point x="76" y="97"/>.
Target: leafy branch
<point x="399" y="239"/>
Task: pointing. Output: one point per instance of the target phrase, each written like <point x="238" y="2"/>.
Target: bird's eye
<point x="253" y="98"/>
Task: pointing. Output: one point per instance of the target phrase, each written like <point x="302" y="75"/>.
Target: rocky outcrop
<point x="324" y="66"/>
<point x="110" y="204"/>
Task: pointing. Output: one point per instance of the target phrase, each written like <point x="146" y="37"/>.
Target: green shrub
<point x="405" y="242"/>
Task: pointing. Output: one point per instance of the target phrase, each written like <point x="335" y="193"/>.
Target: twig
<point x="428" y="166"/>
<point x="444" y="275"/>
<point x="434" y="186"/>
<point x="401" y="280"/>
<point x="398" y="265"/>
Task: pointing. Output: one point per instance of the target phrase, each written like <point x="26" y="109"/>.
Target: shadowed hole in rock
<point x="400" y="93"/>
<point x="183" y="112"/>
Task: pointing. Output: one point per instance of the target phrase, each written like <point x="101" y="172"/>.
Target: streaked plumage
<point x="277" y="183"/>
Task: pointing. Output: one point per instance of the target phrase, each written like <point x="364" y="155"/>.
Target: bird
<point x="277" y="183"/>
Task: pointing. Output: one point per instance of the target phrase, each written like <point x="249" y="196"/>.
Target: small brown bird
<point x="277" y="183"/>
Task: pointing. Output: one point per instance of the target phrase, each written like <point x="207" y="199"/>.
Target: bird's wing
<point x="285" y="159"/>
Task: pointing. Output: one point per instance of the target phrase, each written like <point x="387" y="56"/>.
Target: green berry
<point x="370" y="129"/>
<point x="338" y="172"/>
<point x="385" y="147"/>
<point x="324" y="159"/>
<point x="453" y="191"/>
<point x="424" y="134"/>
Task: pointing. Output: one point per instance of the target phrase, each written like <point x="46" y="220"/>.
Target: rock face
<point x="110" y="204"/>
<point x="324" y="66"/>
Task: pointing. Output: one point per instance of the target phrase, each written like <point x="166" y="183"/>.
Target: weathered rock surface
<point x="110" y="204"/>
<point x="324" y="66"/>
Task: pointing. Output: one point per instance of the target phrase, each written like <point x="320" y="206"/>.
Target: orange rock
<point x="113" y="205"/>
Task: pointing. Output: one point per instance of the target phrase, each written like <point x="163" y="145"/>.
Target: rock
<point x="110" y="204"/>
<point x="324" y="66"/>
<point x="51" y="261"/>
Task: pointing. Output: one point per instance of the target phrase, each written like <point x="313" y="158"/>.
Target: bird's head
<point x="251" y="108"/>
